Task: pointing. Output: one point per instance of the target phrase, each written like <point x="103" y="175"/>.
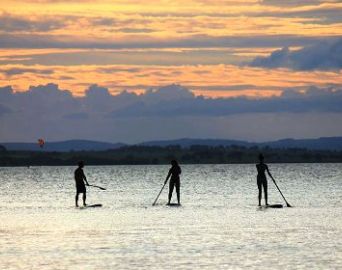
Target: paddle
<point x="97" y="187"/>
<point x="287" y="204"/>
<point x="159" y="194"/>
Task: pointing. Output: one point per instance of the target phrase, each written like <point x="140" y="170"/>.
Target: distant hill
<point x="328" y="143"/>
<point x="187" y="142"/>
<point x="63" y="146"/>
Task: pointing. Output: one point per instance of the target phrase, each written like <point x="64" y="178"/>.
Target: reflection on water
<point x="218" y="226"/>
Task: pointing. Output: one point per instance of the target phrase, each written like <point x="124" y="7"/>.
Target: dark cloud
<point x="172" y="100"/>
<point x="43" y="101"/>
<point x="108" y="21"/>
<point x="6" y="92"/>
<point x="194" y="41"/>
<point x="234" y="87"/>
<point x="320" y="15"/>
<point x="323" y="56"/>
<point x="168" y="101"/>
<point x="11" y="23"/>
<point x="168" y="93"/>
<point x="129" y="57"/>
<point x="4" y="110"/>
<point x="166" y="112"/>
<point x="76" y="116"/>
<point x="66" y="78"/>
<point x="98" y="98"/>
<point x="104" y="21"/>
<point x="314" y="99"/>
<point x="110" y="70"/>
<point x="17" y="71"/>
<point x="136" y="30"/>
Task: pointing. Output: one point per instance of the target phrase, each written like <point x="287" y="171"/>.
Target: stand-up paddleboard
<point x="91" y="206"/>
<point x="274" y="206"/>
<point x="271" y="206"/>
<point x="173" y="205"/>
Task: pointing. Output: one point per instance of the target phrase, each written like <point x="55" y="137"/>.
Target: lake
<point x="219" y="225"/>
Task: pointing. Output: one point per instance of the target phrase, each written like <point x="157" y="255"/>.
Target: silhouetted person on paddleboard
<point x="80" y="186"/>
<point x="261" y="178"/>
<point x="174" y="173"/>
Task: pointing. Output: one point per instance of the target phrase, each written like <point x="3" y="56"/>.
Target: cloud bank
<point x="322" y="56"/>
<point x="165" y="112"/>
<point x="165" y="101"/>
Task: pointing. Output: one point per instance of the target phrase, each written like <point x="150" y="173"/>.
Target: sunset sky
<point x="142" y="70"/>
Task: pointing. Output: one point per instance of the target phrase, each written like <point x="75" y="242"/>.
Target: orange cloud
<point x="210" y="81"/>
<point x="115" y="20"/>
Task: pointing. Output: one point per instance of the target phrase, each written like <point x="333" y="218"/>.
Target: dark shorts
<point x="262" y="181"/>
<point x="80" y="188"/>
<point x="174" y="183"/>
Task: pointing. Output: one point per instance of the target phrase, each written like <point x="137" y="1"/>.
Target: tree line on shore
<point x="140" y="155"/>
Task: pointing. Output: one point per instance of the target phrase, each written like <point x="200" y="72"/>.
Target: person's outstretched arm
<point x="85" y="179"/>
<point x="268" y="172"/>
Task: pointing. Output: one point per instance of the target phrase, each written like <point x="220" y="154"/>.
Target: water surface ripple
<point x="218" y="226"/>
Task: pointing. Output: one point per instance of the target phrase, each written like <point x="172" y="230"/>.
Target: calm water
<point x="218" y="226"/>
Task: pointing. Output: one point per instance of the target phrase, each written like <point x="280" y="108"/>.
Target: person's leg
<point x="171" y="186"/>
<point x="76" y="199"/>
<point x="260" y="194"/>
<point x="84" y="198"/>
<point x="178" y="191"/>
<point x="265" y="191"/>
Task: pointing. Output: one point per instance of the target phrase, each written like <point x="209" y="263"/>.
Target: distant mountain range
<point x="187" y="142"/>
<point x="327" y="143"/>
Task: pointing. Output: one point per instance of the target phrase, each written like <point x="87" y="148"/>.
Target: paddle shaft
<point x="159" y="194"/>
<point x="97" y="187"/>
<point x="287" y="204"/>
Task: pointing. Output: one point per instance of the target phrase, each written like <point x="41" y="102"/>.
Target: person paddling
<point x="174" y="173"/>
<point x="80" y="186"/>
<point x="261" y="178"/>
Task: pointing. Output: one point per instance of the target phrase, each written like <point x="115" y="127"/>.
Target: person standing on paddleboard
<point x="80" y="186"/>
<point x="174" y="173"/>
<point x="261" y="178"/>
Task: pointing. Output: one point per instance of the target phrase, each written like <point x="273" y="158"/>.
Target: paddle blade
<point x="98" y="187"/>
<point x="155" y="203"/>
